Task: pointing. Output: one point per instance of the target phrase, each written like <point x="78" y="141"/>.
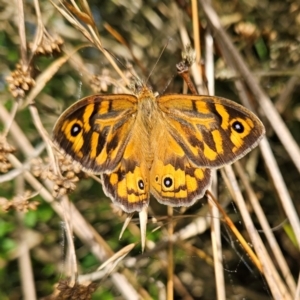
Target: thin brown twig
<point x="123" y="41"/>
<point x="217" y="252"/>
<point x="83" y="230"/>
<point x="236" y="232"/>
<point x="183" y="71"/>
<point x="196" y="36"/>
<point x="186" y="41"/>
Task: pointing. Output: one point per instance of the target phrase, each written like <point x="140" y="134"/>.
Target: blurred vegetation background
<point x="266" y="33"/>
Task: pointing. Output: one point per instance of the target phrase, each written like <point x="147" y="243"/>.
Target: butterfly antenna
<point x="167" y="85"/>
<point x="159" y="57"/>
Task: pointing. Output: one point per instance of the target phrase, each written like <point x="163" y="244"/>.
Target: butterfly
<point x="161" y="145"/>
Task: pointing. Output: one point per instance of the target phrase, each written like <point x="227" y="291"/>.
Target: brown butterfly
<point x="160" y="145"/>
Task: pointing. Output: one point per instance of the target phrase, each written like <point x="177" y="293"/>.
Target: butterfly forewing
<point x="212" y="131"/>
<point x="94" y="131"/>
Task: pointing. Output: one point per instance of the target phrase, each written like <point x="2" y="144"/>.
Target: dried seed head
<point x="100" y="83"/>
<point x="38" y="168"/>
<point x="247" y="30"/>
<point x="5" y="166"/>
<point x="64" y="183"/>
<point x="20" y="80"/>
<point x="19" y="203"/>
<point x="78" y="291"/>
<point x="5" y="149"/>
<point x="50" y="45"/>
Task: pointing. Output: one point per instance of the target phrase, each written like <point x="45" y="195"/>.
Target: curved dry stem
<point x="92" y="33"/>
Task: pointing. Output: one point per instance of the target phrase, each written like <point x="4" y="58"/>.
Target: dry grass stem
<point x="12" y="116"/>
<point x="265" y="264"/>
<point x="25" y="263"/>
<point x="284" y="98"/>
<point x="267" y="231"/>
<point x="93" y="36"/>
<point x="280" y="187"/>
<point x="22" y="33"/>
<point x="233" y="228"/>
<point x="125" y="224"/>
<point x="217" y="251"/>
<point x="71" y="261"/>
<point x="170" y="282"/>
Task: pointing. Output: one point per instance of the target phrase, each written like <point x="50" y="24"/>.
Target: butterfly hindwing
<point x="212" y="131"/>
<point x="127" y="189"/>
<point x="174" y="179"/>
<point x="178" y="184"/>
<point x="128" y="184"/>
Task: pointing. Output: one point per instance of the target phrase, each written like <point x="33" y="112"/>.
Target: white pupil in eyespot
<point x="168" y="182"/>
<point x="75" y="129"/>
<point x="141" y="184"/>
<point x="238" y="127"/>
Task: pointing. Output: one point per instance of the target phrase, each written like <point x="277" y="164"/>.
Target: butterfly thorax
<point x="148" y="115"/>
<point x="147" y="108"/>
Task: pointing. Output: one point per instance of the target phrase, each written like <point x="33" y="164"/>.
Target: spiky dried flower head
<point x="20" y="80"/>
<point x="188" y="55"/>
<point x="5" y="149"/>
